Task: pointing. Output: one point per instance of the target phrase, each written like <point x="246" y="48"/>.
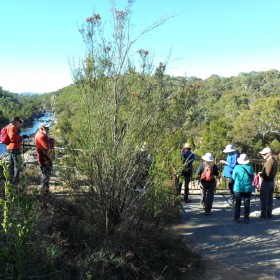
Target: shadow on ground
<point x="233" y="251"/>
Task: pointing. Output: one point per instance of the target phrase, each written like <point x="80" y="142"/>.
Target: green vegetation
<point x="211" y="113"/>
<point x="12" y="104"/>
<point x="105" y="228"/>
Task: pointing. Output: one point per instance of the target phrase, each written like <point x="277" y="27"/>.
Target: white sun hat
<point x="229" y="148"/>
<point x="208" y="157"/>
<point x="265" y="151"/>
<point x="187" y="146"/>
<point x="44" y="125"/>
<point x="243" y="159"/>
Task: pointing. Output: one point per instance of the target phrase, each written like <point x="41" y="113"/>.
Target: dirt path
<point x="235" y="251"/>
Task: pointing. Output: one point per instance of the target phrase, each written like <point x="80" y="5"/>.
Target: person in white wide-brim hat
<point x="267" y="174"/>
<point x="229" y="165"/>
<point x="207" y="171"/>
<point x="243" y="176"/>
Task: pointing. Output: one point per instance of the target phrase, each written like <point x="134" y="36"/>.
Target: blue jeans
<point x="15" y="163"/>
<point x="238" y="199"/>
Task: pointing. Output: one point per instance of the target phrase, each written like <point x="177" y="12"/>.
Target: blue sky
<point x="39" y="38"/>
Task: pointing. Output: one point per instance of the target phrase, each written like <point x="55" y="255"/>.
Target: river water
<point x="30" y="128"/>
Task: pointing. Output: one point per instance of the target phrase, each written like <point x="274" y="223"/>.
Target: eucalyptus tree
<point x="259" y="126"/>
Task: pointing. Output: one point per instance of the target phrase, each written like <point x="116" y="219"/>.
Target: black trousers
<point x="46" y="169"/>
<point x="238" y="199"/>
<point x="230" y="184"/>
<point x="207" y="195"/>
<point x="187" y="180"/>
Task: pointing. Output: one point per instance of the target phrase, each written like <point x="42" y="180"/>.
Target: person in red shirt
<point x="14" y="148"/>
<point x="43" y="145"/>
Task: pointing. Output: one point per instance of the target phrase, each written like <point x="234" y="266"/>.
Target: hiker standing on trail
<point x="43" y="146"/>
<point x="229" y="165"/>
<point x="207" y="170"/>
<point x="267" y="174"/>
<point x="187" y="158"/>
<point x="243" y="176"/>
<point x="14" y="148"/>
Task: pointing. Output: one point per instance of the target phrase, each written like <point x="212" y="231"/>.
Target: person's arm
<point x="234" y="174"/>
<point x="252" y="173"/>
<point x="14" y="135"/>
<point x="267" y="169"/>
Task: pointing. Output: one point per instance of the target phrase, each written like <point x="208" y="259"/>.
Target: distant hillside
<point x="242" y="110"/>
<point x="28" y="93"/>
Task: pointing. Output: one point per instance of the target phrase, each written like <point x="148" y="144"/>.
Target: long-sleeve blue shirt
<point x="231" y="162"/>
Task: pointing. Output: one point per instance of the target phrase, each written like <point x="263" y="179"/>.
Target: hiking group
<point x="10" y="136"/>
<point x="239" y="176"/>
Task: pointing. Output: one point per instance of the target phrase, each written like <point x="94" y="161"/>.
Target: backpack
<point x="207" y="173"/>
<point x="4" y="137"/>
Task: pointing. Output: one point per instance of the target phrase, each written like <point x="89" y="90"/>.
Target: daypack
<point x="4" y="137"/>
<point x="207" y="173"/>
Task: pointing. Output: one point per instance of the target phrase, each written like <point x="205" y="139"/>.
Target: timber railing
<point x="221" y="183"/>
<point x="257" y="165"/>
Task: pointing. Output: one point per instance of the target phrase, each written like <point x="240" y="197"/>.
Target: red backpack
<point x="4" y="137"/>
<point x="207" y="173"/>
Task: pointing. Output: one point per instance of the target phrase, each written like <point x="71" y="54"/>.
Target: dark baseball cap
<point x="14" y="119"/>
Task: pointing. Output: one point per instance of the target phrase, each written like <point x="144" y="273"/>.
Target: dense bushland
<point x="122" y="124"/>
<point x="117" y="131"/>
<point x="12" y="104"/>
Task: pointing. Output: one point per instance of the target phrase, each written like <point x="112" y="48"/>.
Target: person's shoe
<point x="246" y="220"/>
<point x="237" y="220"/>
<point x="207" y="213"/>
<point x="187" y="201"/>
<point x="269" y="216"/>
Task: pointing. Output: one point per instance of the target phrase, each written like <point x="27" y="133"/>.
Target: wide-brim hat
<point x="229" y="149"/>
<point x="265" y="151"/>
<point x="44" y="125"/>
<point x="208" y="157"/>
<point x="144" y="147"/>
<point x="243" y="159"/>
<point x="187" y="146"/>
<point x="16" y="119"/>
